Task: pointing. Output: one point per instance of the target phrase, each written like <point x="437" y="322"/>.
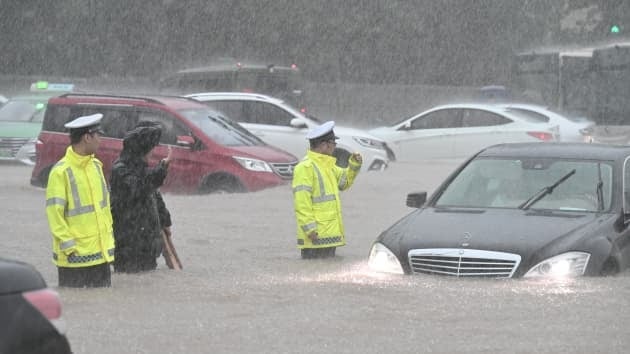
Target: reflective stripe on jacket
<point x="317" y="181"/>
<point x="78" y="211"/>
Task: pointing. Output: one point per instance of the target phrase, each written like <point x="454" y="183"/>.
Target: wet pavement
<point x="244" y="288"/>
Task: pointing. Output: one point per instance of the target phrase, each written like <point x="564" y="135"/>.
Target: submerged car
<point x="30" y="312"/>
<point x="210" y="152"/>
<point x="518" y="210"/>
<point x="571" y="127"/>
<point x="457" y="130"/>
<point x="21" y="121"/>
<point x="283" y="126"/>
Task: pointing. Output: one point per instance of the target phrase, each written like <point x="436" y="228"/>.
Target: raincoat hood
<point x="142" y="139"/>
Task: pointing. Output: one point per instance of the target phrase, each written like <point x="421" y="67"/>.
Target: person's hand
<point x="313" y="235"/>
<point x="167" y="231"/>
<point x="168" y="157"/>
<point x="357" y="157"/>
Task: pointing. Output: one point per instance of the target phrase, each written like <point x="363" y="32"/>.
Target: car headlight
<point x="381" y="259"/>
<point x="370" y="143"/>
<point x="253" y="164"/>
<point x="26" y="153"/>
<point x="570" y="264"/>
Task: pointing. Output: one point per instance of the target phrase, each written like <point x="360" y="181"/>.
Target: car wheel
<point x="221" y="183"/>
<point x="342" y="156"/>
<point x="43" y="176"/>
<point x="610" y="267"/>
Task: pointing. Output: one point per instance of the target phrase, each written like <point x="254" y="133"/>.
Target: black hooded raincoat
<point x="138" y="210"/>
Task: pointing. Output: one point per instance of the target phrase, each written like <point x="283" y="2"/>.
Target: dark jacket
<point x="138" y="210"/>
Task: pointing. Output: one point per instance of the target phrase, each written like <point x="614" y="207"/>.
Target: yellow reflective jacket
<point x="78" y="211"/>
<point x="317" y="181"/>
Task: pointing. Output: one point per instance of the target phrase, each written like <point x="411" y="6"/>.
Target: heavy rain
<point x="244" y="287"/>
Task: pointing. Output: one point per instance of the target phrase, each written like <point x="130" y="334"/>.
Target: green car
<point x="21" y="121"/>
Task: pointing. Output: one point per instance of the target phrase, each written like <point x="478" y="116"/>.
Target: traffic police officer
<point x="78" y="210"/>
<point x="317" y="181"/>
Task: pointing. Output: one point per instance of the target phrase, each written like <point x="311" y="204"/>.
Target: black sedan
<point x="30" y="312"/>
<point x="518" y="210"/>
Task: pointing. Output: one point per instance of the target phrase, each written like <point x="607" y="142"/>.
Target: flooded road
<point x="244" y="288"/>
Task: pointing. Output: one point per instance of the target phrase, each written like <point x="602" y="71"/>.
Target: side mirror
<point x="417" y="199"/>
<point x="297" y="123"/>
<point x="405" y="126"/>
<point x="185" y="140"/>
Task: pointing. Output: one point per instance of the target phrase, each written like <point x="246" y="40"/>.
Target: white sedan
<point x="460" y="130"/>
<point x="570" y="127"/>
<point x="283" y="126"/>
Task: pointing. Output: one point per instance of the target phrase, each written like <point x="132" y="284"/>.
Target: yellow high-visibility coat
<point x="317" y="181"/>
<point x="78" y="211"/>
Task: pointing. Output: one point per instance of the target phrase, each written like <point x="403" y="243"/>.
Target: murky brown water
<point x="244" y="288"/>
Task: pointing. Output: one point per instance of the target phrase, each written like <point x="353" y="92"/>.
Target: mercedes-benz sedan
<point x="518" y="210"/>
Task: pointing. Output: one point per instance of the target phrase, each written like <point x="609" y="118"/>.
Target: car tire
<point x="610" y="267"/>
<point x="221" y="183"/>
<point x="43" y="176"/>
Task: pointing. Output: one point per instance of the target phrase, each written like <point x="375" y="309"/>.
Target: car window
<point x="525" y="116"/>
<point x="444" y="118"/>
<point x="508" y="183"/>
<point x="205" y="82"/>
<point x="233" y="109"/>
<point x="481" y="118"/>
<point x="265" y="113"/>
<point x="221" y="129"/>
<point x="17" y="111"/>
<point x="218" y="82"/>
<point x="117" y="122"/>
<point x="566" y="115"/>
<point x="171" y="128"/>
<point x="533" y="115"/>
<point x="38" y="117"/>
<point x="56" y="116"/>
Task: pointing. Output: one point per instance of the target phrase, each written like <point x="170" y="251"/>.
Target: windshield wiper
<point x="543" y="192"/>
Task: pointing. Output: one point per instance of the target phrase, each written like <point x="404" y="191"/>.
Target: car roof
<point x="235" y="95"/>
<point x="582" y="151"/>
<point x="233" y="67"/>
<point x="534" y="107"/>
<point x="490" y="107"/>
<point x="16" y="276"/>
<point x="175" y="102"/>
<point x="33" y="97"/>
<point x="493" y="107"/>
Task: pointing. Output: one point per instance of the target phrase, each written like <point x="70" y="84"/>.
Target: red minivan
<point x="211" y="153"/>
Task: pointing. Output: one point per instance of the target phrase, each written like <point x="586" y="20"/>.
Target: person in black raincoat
<point x="138" y="210"/>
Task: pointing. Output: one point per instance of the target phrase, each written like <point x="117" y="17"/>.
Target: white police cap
<point x="322" y="130"/>
<point x="85" y="121"/>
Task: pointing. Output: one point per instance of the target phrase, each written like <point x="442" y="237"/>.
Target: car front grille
<point x="284" y="170"/>
<point x="10" y="146"/>
<point x="461" y="262"/>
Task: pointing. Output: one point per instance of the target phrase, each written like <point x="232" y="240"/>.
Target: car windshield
<point x="220" y="128"/>
<point x="22" y="111"/>
<point x="527" y="116"/>
<point x="535" y="116"/>
<point x="537" y="183"/>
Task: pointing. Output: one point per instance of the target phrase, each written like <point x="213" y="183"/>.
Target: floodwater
<point x="244" y="288"/>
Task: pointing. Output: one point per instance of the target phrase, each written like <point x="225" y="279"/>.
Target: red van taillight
<point x="48" y="303"/>
<point x="544" y="136"/>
